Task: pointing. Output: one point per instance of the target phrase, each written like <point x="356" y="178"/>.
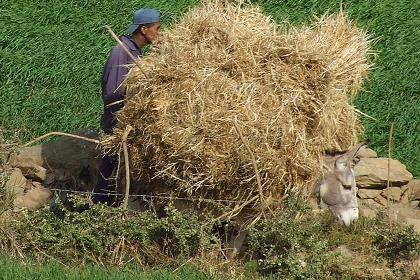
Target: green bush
<point x="290" y="247"/>
<point x="93" y="235"/>
<point x="397" y="243"/>
<point x="298" y="244"/>
<point x="293" y="243"/>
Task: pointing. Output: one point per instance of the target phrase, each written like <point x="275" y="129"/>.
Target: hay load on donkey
<point x="236" y="109"/>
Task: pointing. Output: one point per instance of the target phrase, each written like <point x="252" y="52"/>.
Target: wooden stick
<point x="364" y="114"/>
<point x="127" y="131"/>
<point x="389" y="170"/>
<point x="61" y="134"/>
<point x="236" y="209"/>
<point x="125" y="49"/>
<point x="254" y="163"/>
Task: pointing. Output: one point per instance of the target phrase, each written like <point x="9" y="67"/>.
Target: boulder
<point x="368" y="193"/>
<point x="405" y="214"/>
<point x="373" y="173"/>
<point x="413" y="190"/>
<point x="26" y="194"/>
<point x="35" y="197"/>
<point x="415" y="204"/>
<point x="30" y="169"/>
<point x="381" y="200"/>
<point x="415" y="223"/>
<point x="369" y="207"/>
<point x="405" y="198"/>
<point x="78" y="158"/>
<point x="394" y="193"/>
<point x="369" y="203"/>
<point x="16" y="183"/>
<point x="367" y="153"/>
<point x="368" y="212"/>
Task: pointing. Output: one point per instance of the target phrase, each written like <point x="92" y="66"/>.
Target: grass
<point x="11" y="270"/>
<point x="52" y="56"/>
<point x="52" y="53"/>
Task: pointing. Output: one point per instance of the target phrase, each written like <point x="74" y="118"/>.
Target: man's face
<point x="151" y="32"/>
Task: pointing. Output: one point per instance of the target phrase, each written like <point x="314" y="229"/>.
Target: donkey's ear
<point x="348" y="157"/>
<point x="350" y="154"/>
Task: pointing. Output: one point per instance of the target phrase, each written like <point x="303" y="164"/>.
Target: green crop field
<point x="12" y="270"/>
<point x="52" y="53"/>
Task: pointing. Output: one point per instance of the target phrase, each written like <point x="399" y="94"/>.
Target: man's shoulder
<point x="129" y="43"/>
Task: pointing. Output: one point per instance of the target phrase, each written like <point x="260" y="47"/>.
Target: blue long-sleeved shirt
<point x="113" y="74"/>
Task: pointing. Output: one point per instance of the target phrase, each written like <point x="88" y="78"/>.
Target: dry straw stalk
<point x="291" y="90"/>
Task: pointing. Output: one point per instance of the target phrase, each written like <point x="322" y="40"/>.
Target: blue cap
<point x="143" y="16"/>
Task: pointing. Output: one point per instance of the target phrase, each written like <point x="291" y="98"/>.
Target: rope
<point x="61" y="134"/>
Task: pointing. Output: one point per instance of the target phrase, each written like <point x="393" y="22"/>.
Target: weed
<point x="397" y="243"/>
<point x="102" y="234"/>
<point x="302" y="245"/>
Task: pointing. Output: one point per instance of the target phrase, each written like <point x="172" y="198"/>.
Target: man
<point x="144" y="30"/>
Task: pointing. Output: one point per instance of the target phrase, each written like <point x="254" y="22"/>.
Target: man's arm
<point x="115" y="72"/>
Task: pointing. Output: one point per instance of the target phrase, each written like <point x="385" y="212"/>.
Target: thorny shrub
<point x="397" y="243"/>
<point x="112" y="235"/>
<point x="297" y="244"/>
<point x="294" y="243"/>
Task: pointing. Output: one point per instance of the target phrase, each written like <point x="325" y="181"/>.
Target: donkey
<point x="336" y="190"/>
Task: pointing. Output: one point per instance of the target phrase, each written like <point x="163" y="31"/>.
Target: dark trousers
<point x="105" y="184"/>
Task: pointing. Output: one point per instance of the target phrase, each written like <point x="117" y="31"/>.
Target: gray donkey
<point x="337" y="190"/>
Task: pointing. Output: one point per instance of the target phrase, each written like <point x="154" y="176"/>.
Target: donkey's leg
<point x="235" y="243"/>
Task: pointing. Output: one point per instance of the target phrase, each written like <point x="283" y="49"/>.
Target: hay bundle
<point x="226" y="70"/>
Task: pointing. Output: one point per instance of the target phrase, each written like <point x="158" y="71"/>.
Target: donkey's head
<point x="341" y="165"/>
<point x="337" y="188"/>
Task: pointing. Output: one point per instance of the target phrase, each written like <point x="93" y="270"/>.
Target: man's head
<point x="146" y="24"/>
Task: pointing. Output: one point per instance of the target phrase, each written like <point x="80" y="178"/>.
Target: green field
<point x="12" y="270"/>
<point x="52" y="53"/>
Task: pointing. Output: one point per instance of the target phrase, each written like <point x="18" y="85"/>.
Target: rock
<point x="373" y="173"/>
<point x="404" y="214"/>
<point x="344" y="251"/>
<point x="381" y="200"/>
<point x="16" y="183"/>
<point x="405" y="188"/>
<point x="35" y="198"/>
<point x="27" y="194"/>
<point x="369" y="203"/>
<point x="30" y="168"/>
<point x="394" y="193"/>
<point x="415" y="203"/>
<point x="404" y="198"/>
<point x="367" y="153"/>
<point x="368" y="193"/>
<point x="416" y="264"/>
<point x="413" y="190"/>
<point x="78" y="157"/>
<point x="369" y="207"/>
<point x="369" y="213"/>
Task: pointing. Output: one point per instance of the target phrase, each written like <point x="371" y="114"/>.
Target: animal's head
<point x="341" y="165"/>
